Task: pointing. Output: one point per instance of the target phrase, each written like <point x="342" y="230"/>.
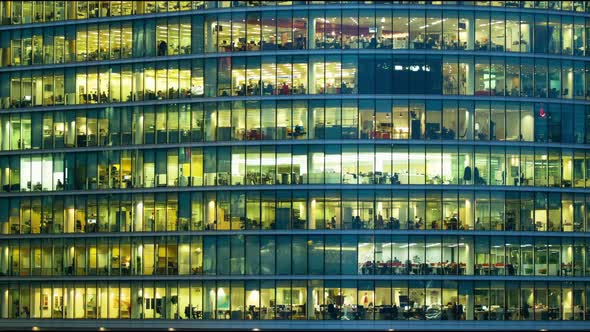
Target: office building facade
<point x="295" y="164"/>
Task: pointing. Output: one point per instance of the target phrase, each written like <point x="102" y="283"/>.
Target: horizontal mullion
<point x="294" y="277"/>
<point x="340" y="187"/>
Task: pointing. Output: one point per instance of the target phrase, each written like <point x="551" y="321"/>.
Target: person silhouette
<point x="476" y="177"/>
<point x="162" y="48"/>
<point x="467" y="174"/>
